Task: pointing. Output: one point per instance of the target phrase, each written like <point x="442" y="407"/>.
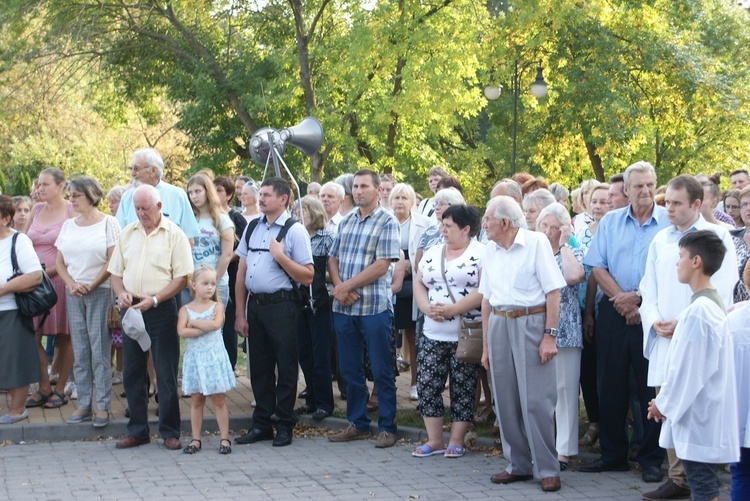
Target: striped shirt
<point x="358" y="244"/>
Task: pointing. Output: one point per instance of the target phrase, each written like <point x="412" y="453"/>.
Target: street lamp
<point x="538" y="90"/>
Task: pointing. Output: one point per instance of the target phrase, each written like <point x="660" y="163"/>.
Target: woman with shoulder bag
<point x="446" y="290"/>
<point x="19" y="363"/>
<point x="85" y="245"/>
<point x="314" y="337"/>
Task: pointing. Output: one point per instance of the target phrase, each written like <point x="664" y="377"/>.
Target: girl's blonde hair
<point x="212" y="199"/>
<point x="196" y="273"/>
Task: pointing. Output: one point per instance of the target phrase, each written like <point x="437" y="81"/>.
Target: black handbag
<point x="38" y="301"/>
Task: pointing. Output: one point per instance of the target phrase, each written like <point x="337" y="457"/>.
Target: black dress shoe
<point x="302" y="394"/>
<point x="652" y="474"/>
<point x="254" y="435"/>
<point x="599" y="466"/>
<point x="283" y="437"/>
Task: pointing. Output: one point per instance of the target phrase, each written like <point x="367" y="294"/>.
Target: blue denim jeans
<point x="352" y="333"/>
<point x="702" y="479"/>
<point x="741" y="476"/>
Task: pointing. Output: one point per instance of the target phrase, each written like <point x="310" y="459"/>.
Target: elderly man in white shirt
<point x="739" y="326"/>
<point x="664" y="297"/>
<point x="519" y="317"/>
<point x="331" y="194"/>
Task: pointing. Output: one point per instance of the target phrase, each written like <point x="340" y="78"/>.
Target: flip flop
<point x="57" y="403"/>
<point x="454" y="451"/>
<point x="38" y="403"/>
<point x="425" y="450"/>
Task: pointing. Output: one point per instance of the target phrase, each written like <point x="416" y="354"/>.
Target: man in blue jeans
<point x="367" y="242"/>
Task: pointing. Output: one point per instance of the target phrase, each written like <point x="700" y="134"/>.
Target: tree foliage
<point x="396" y="83"/>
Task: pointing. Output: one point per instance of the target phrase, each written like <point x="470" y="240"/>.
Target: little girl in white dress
<point x="206" y="369"/>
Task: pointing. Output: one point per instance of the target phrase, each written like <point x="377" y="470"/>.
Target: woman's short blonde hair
<point x="403" y="189"/>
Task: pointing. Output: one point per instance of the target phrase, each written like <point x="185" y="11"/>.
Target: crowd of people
<point x="617" y="292"/>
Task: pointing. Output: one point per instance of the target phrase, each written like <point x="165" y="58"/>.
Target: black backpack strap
<point x="254" y="223"/>
<point x="284" y="230"/>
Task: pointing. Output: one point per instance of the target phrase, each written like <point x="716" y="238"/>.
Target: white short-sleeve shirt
<point x="85" y="262"/>
<point x="523" y="274"/>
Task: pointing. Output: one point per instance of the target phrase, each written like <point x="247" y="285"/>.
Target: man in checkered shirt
<point x="367" y="242"/>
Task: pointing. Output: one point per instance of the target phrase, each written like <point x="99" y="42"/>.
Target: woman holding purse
<point x="19" y="364"/>
<point x="445" y="290"/>
<point x="84" y="246"/>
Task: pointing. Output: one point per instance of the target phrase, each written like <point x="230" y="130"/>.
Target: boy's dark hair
<point x="708" y="246"/>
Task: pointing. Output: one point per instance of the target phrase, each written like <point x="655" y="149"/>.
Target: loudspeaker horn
<point x="260" y="147"/>
<point x="307" y="136"/>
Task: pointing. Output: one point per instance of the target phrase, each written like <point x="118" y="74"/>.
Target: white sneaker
<point x="413" y="393"/>
<point x="70" y="387"/>
<point x="74" y="393"/>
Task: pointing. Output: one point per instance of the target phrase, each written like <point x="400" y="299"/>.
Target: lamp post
<point x="538" y="89"/>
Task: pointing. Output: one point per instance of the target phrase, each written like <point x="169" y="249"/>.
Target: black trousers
<point x="620" y="347"/>
<point x="588" y="379"/>
<point x="314" y="339"/>
<point x="272" y="347"/>
<point x="161" y="325"/>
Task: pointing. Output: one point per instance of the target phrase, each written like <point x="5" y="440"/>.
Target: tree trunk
<point x="596" y="161"/>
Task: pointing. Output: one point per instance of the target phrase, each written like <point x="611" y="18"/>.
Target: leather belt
<point x="271" y="298"/>
<point x="520" y="313"/>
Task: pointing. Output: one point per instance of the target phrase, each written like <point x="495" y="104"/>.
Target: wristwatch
<point x="552" y="332"/>
<point x="156" y="301"/>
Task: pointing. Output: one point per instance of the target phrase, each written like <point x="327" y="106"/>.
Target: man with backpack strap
<point x="274" y="254"/>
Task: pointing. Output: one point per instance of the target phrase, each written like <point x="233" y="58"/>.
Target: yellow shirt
<point x="148" y="263"/>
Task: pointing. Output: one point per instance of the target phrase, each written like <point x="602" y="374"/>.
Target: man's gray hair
<point x="336" y="187"/>
<point x="504" y="207"/>
<point x="147" y="189"/>
<point x="556" y="209"/>
<point x="346" y="180"/>
<point x="559" y="191"/>
<point x="540" y="198"/>
<point x="511" y="187"/>
<point x="641" y="166"/>
<point x="450" y="195"/>
<point x="152" y="158"/>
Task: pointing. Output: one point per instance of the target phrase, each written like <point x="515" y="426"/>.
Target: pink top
<point x="44" y="239"/>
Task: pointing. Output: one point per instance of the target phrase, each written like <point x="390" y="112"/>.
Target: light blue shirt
<point x="621" y="243"/>
<point x="207" y="246"/>
<point x="264" y="275"/>
<point x="174" y="205"/>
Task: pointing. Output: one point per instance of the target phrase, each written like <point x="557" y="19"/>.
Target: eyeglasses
<point x="731" y="207"/>
<point x="744" y="205"/>
<point x="435" y="205"/>
<point x="137" y="167"/>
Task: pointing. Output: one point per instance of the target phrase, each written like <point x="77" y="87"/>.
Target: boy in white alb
<point x="697" y="402"/>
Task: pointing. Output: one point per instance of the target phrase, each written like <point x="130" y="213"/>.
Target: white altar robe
<point x="699" y="398"/>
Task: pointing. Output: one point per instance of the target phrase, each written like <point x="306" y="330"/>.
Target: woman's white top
<point x="462" y="274"/>
<point x="84" y="248"/>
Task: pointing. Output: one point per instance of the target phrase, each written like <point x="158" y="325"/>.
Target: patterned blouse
<point x="569" y="330"/>
<point x="743" y="253"/>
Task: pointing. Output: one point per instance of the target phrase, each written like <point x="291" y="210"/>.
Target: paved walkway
<point x="311" y="468"/>
<point x="46" y="459"/>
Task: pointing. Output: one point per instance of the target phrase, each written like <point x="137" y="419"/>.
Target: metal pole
<point x="515" y="117"/>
